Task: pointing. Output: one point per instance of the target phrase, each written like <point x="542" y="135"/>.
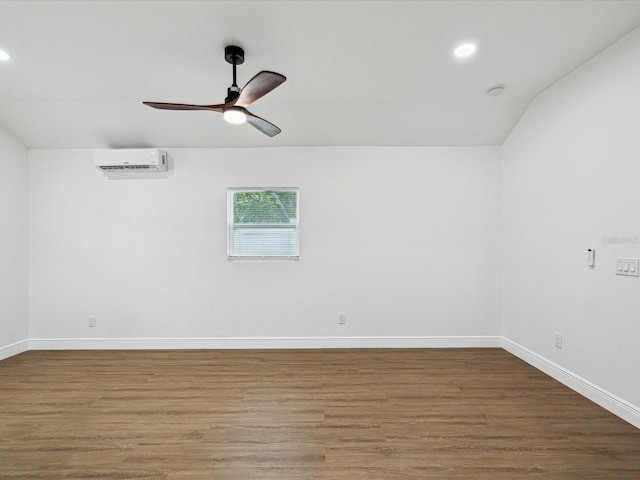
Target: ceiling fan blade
<point x="261" y="84"/>
<point x="261" y="124"/>
<point x="184" y="106"/>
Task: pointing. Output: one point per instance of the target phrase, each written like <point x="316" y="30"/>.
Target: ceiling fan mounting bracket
<point x="233" y="54"/>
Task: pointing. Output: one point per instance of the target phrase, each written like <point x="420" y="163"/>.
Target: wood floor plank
<point x="301" y="414"/>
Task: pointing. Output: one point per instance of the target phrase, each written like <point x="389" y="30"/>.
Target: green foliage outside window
<point x="264" y="207"/>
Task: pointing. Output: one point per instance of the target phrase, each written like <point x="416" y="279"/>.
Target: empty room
<point x="320" y="240"/>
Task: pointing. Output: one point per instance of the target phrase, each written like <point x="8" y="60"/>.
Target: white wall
<point x="13" y="244"/>
<point x="404" y="240"/>
<point x="571" y="181"/>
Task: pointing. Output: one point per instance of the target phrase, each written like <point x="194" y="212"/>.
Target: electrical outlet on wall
<point x="92" y="321"/>
<point x="342" y="318"/>
<point x="558" y="339"/>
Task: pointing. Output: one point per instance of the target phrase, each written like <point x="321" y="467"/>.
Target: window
<point x="262" y="223"/>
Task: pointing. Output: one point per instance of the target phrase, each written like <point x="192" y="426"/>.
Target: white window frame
<point x="233" y="253"/>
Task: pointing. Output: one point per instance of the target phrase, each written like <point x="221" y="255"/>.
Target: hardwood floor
<point x="470" y="414"/>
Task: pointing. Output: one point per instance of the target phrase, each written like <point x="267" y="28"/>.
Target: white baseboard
<point x="263" y="343"/>
<point x="607" y="400"/>
<point x="14" y="349"/>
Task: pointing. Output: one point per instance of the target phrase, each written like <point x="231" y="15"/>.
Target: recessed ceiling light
<point x="464" y="50"/>
<point x="4" y="56"/>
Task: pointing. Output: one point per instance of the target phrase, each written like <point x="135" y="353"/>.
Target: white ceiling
<point x="358" y="72"/>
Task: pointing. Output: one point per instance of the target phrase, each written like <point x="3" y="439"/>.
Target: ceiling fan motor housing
<point x="233" y="92"/>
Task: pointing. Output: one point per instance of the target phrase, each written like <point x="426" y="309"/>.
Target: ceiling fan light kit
<point x="234" y="108"/>
<point x="235" y="115"/>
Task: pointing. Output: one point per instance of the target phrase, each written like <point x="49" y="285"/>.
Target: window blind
<point x="263" y="224"/>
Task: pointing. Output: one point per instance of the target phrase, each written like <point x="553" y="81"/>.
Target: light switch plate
<point x="627" y="267"/>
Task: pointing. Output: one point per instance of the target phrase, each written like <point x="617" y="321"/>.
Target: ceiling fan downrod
<point x="235" y="56"/>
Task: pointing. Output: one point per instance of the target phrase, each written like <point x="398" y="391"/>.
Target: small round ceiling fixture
<point x="4" y="56"/>
<point x="495" y="91"/>
<point x="465" y="50"/>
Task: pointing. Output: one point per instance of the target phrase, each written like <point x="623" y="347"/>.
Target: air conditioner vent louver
<point x="131" y="160"/>
<point x="127" y="167"/>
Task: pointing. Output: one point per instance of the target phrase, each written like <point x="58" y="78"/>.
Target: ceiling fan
<point x="234" y="108"/>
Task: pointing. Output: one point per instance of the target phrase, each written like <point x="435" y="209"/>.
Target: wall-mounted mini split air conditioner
<point x="131" y="160"/>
